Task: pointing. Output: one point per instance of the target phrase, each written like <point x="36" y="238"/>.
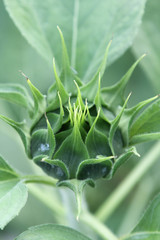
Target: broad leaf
<point x="143" y="236"/>
<point x="146" y="41"/>
<point x="151" y="219"/>
<point x="87" y="28"/>
<point x="50" y="232"/>
<point x="13" y="196"/>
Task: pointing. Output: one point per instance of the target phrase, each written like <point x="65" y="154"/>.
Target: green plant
<point x="79" y="131"/>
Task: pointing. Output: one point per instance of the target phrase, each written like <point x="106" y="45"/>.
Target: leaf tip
<point x="24" y="75"/>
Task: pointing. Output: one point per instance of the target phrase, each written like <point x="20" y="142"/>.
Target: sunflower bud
<point x="79" y="131"/>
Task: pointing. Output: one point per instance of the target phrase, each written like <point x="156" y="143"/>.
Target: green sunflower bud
<point x="81" y="131"/>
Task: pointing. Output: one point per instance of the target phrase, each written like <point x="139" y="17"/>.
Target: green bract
<point x="80" y="130"/>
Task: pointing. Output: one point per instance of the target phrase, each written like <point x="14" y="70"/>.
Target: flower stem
<point x="48" y="200"/>
<point x="43" y="195"/>
<point x="97" y="226"/>
<point x="128" y="183"/>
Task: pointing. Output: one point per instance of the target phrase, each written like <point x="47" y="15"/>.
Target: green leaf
<point x="50" y="232"/>
<point x="102" y="20"/>
<point x="6" y="172"/>
<point x="113" y="96"/>
<point x="17" y="94"/>
<point x="150" y="220"/>
<point x="13" y="196"/>
<point x="145" y="43"/>
<point x="143" y="236"/>
<point x="147" y="125"/>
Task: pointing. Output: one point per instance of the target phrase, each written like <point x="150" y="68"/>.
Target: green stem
<point x="39" y="179"/>
<point x="42" y="195"/>
<point x="48" y="201"/>
<point x="97" y="226"/>
<point x="128" y="183"/>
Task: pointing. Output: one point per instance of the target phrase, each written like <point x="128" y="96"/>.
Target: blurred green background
<point x="16" y="54"/>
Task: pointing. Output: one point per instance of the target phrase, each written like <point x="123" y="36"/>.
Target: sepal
<point x="121" y="160"/>
<point x="129" y="116"/>
<point x="114" y="125"/>
<point x="94" y="168"/>
<point x="72" y="151"/>
<point x="146" y="126"/>
<point x="67" y="75"/>
<point x="97" y="142"/>
<point x="59" y="85"/>
<point x="113" y="96"/>
<point x="39" y="101"/>
<point x="60" y="164"/>
<point x="89" y="90"/>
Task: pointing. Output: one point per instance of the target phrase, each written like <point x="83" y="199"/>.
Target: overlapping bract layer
<point x="80" y="130"/>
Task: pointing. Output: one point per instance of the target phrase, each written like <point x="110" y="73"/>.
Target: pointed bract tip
<point x="77" y="218"/>
<point x="46" y="118"/>
<point x="144" y="55"/>
<point x="43" y="159"/>
<point x="110" y="42"/>
<point x="58" y="94"/>
<point x="136" y="153"/>
<point x="75" y="83"/>
<point x="129" y="95"/>
<point x="22" y="73"/>
<point x="59" y="30"/>
<point x="54" y="63"/>
<point x="99" y="109"/>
